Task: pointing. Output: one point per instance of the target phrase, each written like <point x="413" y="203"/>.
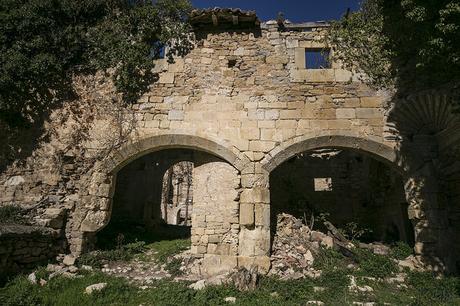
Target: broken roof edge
<point x="202" y="18"/>
<point x="297" y="26"/>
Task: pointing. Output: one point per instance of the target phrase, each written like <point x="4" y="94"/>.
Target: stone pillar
<point x="426" y="209"/>
<point x="254" y="241"/>
<point x="215" y="214"/>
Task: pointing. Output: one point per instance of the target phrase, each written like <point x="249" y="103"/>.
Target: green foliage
<point x="352" y="231"/>
<point x="329" y="260"/>
<point x="121" y="253"/>
<point x="167" y="248"/>
<point x="43" y="43"/>
<point x="374" y="265"/>
<point x="401" y="250"/>
<point x="423" y="289"/>
<point x="11" y="214"/>
<point x="173" y="266"/>
<point x="432" y="291"/>
<point x="411" y="44"/>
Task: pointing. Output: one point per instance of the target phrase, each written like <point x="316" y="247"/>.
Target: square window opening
<point x="323" y="184"/>
<point x="317" y="59"/>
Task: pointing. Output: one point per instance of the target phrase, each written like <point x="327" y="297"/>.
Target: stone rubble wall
<point x="23" y="247"/>
<point x="243" y="96"/>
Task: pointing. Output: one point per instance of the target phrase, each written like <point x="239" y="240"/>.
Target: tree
<point x="408" y="44"/>
<point x="43" y="43"/>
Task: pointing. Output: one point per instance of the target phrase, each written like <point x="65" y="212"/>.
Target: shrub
<point x="329" y="260"/>
<point x="375" y="265"/>
<point x="400" y="250"/>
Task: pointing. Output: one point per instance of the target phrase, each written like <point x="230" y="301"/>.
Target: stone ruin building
<point x="251" y="123"/>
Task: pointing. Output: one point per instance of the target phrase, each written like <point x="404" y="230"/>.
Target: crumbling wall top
<point x="223" y="18"/>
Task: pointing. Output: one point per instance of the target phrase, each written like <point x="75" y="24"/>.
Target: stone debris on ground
<point x="95" y="287"/>
<point x="230" y="299"/>
<point x="294" y="248"/>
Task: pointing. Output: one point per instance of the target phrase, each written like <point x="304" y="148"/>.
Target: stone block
<point x="373" y="102"/>
<point x="261" y="262"/>
<point x="261" y="145"/>
<point x="345" y="113"/>
<point x="166" y="78"/>
<point x="175" y="114"/>
<point x="262" y="215"/>
<point x="250" y="133"/>
<point x="246" y="214"/>
<point x="277" y="59"/>
<point x="299" y="58"/>
<point x="290" y="114"/>
<point x="255" y="195"/>
<point x="218" y="264"/>
<point x="319" y="75"/>
<point x="364" y="113"/>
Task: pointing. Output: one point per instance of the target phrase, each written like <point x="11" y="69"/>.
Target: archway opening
<point x="154" y="198"/>
<point x="360" y="195"/>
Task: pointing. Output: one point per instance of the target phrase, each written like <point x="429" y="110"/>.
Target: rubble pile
<point x="294" y="248"/>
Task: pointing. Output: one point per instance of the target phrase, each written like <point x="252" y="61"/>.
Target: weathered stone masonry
<point x="243" y="95"/>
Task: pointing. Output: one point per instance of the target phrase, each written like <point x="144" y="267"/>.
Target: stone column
<point x="254" y="241"/>
<point x="426" y="209"/>
<point x="215" y="214"/>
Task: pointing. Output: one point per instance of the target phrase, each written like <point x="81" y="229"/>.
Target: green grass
<point x="124" y="241"/>
<point x="373" y="265"/>
<point x="167" y="248"/>
<point x="423" y="289"/>
<point x="401" y="250"/>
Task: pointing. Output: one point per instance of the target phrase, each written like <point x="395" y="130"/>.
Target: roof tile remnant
<point x="223" y="18"/>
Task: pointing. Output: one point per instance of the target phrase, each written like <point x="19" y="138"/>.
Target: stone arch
<point x="134" y="150"/>
<point x="98" y="205"/>
<point x="379" y="151"/>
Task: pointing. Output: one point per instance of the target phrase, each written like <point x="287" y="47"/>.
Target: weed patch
<point x="400" y="250"/>
<point x="373" y="265"/>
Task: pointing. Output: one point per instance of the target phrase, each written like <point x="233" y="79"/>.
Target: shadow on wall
<point x="417" y="122"/>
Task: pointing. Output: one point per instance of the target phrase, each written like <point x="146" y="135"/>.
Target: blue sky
<point x="294" y="10"/>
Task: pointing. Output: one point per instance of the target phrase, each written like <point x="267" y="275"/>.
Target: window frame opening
<point x="318" y="58"/>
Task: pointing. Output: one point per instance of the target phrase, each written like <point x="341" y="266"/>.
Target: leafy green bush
<point x="328" y="260"/>
<point x="43" y="43"/>
<point x="11" y="214"/>
<point x="352" y="231"/>
<point x="374" y="265"/>
<point x="401" y="250"/>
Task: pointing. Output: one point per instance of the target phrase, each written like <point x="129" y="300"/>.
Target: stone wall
<point x="244" y="96"/>
<point x="23" y="247"/>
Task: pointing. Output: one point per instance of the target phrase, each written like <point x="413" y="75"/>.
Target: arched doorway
<point x="214" y="218"/>
<point x="345" y="179"/>
<point x="349" y="188"/>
